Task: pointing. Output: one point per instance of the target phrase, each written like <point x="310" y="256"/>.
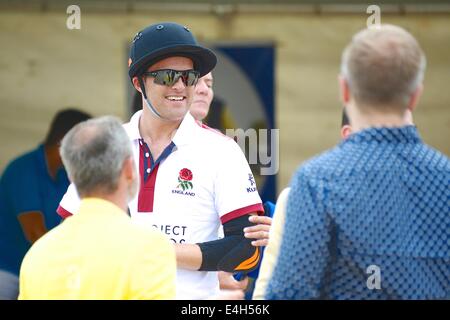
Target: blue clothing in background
<point x="369" y="219"/>
<point x="26" y="186"/>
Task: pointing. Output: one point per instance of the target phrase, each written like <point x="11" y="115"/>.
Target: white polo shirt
<point x="200" y="181"/>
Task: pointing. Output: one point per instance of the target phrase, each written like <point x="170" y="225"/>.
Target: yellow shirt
<point x="99" y="254"/>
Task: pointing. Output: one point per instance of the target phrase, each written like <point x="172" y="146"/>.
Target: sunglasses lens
<point x="165" y="77"/>
<point x="170" y="77"/>
<point x="191" y="78"/>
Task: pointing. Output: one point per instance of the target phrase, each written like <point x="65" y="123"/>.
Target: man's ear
<point x="136" y="84"/>
<point x="344" y="90"/>
<point x="128" y="169"/>
<point x="346" y="130"/>
<point x="414" y="99"/>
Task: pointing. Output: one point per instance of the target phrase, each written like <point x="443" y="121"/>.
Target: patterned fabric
<point x="369" y="219"/>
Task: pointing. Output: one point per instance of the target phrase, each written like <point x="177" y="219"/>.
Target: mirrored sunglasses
<point x="169" y="77"/>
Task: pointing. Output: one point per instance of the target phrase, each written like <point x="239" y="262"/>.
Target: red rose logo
<point x="184" y="179"/>
<point x="185" y="174"/>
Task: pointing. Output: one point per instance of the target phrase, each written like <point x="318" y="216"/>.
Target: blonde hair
<point x="383" y="66"/>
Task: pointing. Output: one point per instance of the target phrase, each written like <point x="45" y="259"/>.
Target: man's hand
<point x="260" y="232"/>
<point x="228" y="282"/>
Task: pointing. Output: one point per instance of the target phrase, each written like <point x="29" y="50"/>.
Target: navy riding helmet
<point x="167" y="39"/>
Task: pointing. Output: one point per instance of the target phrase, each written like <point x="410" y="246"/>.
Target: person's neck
<point x="52" y="159"/>
<point x="119" y="197"/>
<point x="155" y="130"/>
<point x="369" y="117"/>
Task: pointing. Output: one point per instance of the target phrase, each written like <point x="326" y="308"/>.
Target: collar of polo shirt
<point x="185" y="134"/>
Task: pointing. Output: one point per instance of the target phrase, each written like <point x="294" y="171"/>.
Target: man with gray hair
<point x="369" y="218"/>
<point x="100" y="253"/>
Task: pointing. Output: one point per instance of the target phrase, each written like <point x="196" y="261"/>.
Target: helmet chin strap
<point x="152" y="109"/>
<point x="149" y="104"/>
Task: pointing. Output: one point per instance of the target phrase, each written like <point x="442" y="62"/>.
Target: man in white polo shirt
<point x="192" y="178"/>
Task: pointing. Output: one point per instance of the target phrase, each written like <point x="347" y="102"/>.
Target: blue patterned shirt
<point x="369" y="219"/>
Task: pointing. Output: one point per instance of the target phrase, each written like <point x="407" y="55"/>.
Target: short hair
<point x="62" y="122"/>
<point x="93" y="153"/>
<point x="383" y="66"/>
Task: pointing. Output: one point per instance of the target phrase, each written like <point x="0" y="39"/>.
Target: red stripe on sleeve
<point x="242" y="211"/>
